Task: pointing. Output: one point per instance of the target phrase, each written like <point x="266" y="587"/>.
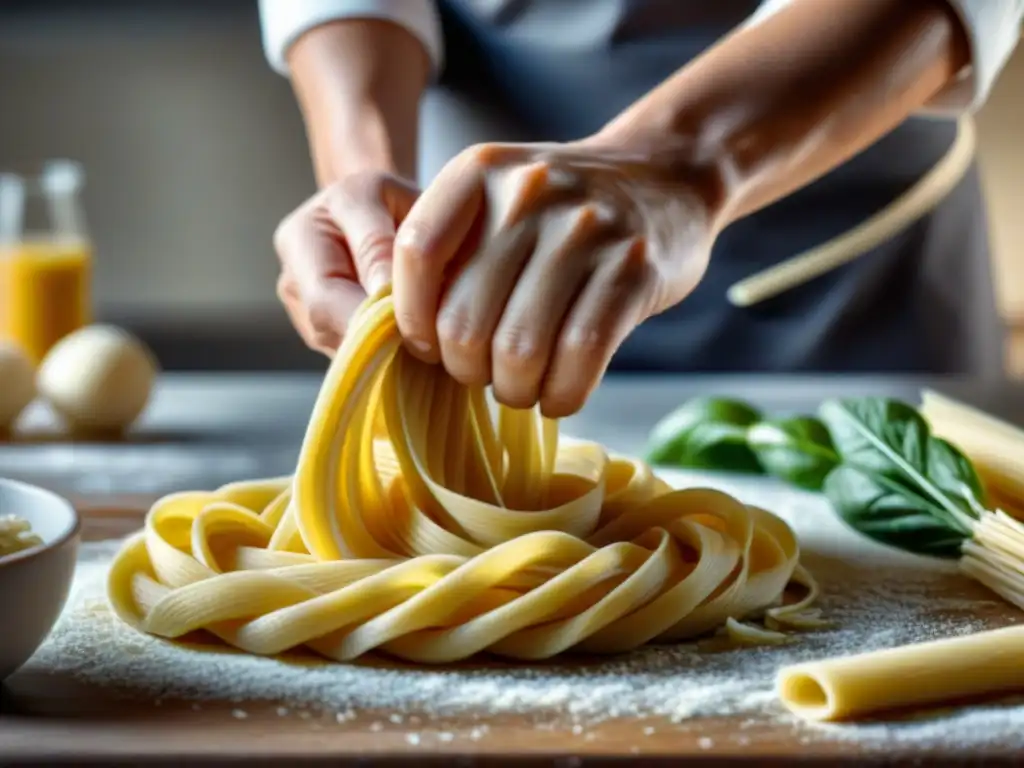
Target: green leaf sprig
<point x="728" y="435"/>
<point x="875" y="459"/>
<point x="898" y="483"/>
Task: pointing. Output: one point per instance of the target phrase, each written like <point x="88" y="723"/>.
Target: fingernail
<point x="378" y="278"/>
<point x="422" y="347"/>
<point x="406" y="236"/>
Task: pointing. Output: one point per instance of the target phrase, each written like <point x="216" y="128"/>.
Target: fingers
<point x="473" y="304"/>
<point x="525" y="339"/>
<point x="614" y="302"/>
<point x="428" y="241"/>
<point x="321" y="324"/>
<point x="318" y="282"/>
<point x="539" y="305"/>
<point x="454" y="323"/>
<point x="366" y="210"/>
<point x="337" y="240"/>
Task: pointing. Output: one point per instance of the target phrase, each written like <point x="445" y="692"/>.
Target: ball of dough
<point x="98" y="378"/>
<point x="17" y="383"/>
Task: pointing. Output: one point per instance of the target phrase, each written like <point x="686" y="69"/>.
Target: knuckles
<point x="323" y="340"/>
<point x="458" y="333"/>
<point x="324" y="329"/>
<point x="592" y="224"/>
<point x="576" y="222"/>
<point x="634" y="271"/>
<point x="581" y="343"/>
<point x="373" y="249"/>
<point x="464" y="349"/>
<point x="516" y="349"/>
<point x="482" y="157"/>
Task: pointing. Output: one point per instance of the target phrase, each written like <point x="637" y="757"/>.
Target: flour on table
<point x="879" y="597"/>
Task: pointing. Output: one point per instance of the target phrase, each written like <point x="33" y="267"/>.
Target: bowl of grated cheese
<point x="39" y="533"/>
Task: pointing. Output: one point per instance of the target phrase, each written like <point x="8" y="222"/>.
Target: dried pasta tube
<point x="936" y="672"/>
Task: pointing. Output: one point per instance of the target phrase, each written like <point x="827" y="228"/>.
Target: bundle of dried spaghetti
<point x="994" y="555"/>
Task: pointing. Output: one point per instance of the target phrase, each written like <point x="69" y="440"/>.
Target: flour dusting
<point x="879" y="598"/>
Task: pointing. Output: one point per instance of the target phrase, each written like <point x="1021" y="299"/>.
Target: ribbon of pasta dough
<point x="417" y="526"/>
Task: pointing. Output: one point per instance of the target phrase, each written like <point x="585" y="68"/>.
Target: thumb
<point x="318" y="283"/>
<point x="368" y="223"/>
<point x="329" y="307"/>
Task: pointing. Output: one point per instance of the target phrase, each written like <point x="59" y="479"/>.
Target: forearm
<point x="776" y="105"/>
<point x="358" y="84"/>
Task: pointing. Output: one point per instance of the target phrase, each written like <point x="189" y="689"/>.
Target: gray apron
<point x="557" y="70"/>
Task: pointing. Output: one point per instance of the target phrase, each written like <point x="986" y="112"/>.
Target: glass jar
<point x="45" y="257"/>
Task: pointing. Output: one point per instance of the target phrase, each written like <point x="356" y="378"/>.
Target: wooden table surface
<point x="203" y="431"/>
<point x="46" y="720"/>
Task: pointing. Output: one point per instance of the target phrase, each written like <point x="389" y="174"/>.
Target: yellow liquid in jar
<point x="45" y="292"/>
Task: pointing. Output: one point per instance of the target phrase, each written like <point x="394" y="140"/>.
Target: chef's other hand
<point x="526" y="266"/>
<point x="335" y="249"/>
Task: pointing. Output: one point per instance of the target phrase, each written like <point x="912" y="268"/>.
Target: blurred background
<point x="194" y="149"/>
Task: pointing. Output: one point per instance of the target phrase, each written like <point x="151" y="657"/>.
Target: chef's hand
<point x="526" y="266"/>
<point x="334" y="249"/>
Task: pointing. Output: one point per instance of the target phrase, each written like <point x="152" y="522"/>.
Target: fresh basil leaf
<point x="891" y="439"/>
<point x="721" y="447"/>
<point x="706" y="433"/>
<point x="883" y="509"/>
<point x="797" y="450"/>
<point x="954" y="472"/>
<point x="876" y="434"/>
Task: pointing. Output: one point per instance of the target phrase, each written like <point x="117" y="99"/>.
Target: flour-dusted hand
<point x="526" y="266"/>
<point x="335" y="248"/>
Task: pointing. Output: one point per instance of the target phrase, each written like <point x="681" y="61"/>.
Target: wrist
<point x="359" y="140"/>
<point x="681" y="158"/>
<point x="778" y="104"/>
<point x="358" y="84"/>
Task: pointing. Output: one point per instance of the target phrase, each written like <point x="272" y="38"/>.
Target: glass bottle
<point x="45" y="257"/>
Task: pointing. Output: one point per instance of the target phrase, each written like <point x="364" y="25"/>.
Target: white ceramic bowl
<point x="34" y="583"/>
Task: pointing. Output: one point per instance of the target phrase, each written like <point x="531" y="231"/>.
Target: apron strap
<point x="920" y="199"/>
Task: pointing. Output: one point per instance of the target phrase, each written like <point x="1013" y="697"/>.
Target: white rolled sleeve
<point x="993" y="30"/>
<point x="284" y="21"/>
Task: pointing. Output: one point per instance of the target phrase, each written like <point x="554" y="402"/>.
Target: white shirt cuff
<point x="993" y="30"/>
<point x="284" y="21"/>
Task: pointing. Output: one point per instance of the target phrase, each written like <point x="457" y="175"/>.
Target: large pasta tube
<point x="929" y="673"/>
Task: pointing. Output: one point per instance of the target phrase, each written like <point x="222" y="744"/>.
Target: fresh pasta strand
<point x="417" y="525"/>
<point x="936" y="672"/>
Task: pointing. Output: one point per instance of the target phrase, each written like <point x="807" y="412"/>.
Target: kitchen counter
<point x="124" y="704"/>
<point x="203" y="430"/>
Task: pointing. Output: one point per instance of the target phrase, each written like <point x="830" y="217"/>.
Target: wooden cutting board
<point x="46" y="719"/>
